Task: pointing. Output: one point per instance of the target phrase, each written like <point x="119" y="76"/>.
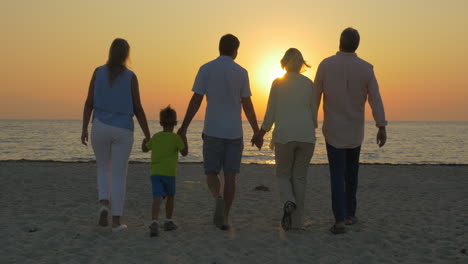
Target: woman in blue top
<point x="114" y="97"/>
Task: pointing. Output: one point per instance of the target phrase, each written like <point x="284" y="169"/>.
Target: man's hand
<point x="84" y="137"/>
<point x="381" y="136"/>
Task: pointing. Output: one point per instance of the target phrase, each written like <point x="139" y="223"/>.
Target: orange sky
<point x="52" y="47"/>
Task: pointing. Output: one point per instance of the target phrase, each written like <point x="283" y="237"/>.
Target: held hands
<point x="143" y="145"/>
<point x="381" y="136"/>
<point x="182" y="132"/>
<point x="257" y="139"/>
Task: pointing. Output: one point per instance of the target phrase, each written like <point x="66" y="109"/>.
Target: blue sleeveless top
<point x="113" y="105"/>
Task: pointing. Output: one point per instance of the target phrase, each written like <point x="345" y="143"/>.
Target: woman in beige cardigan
<point x="293" y="111"/>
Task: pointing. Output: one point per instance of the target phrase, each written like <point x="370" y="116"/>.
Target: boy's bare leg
<point x="214" y="184"/>
<point x="169" y="206"/>
<point x="155" y="208"/>
<point x="229" y="193"/>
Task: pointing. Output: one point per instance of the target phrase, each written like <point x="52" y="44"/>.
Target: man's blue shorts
<point x="221" y="153"/>
<point x="162" y="185"/>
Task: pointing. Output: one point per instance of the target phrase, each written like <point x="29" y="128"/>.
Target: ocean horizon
<point x="408" y="142"/>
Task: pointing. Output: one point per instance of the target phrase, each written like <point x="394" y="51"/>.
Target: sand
<point x="408" y="213"/>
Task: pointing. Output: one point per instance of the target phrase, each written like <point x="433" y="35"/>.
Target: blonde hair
<point x="293" y="61"/>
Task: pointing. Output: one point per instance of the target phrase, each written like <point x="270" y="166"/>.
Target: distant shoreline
<point x="251" y="163"/>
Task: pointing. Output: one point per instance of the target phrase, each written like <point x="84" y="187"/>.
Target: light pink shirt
<point x="346" y="82"/>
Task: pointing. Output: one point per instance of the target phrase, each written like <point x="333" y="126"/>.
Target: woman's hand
<point x="84" y="137"/>
<point x="143" y="145"/>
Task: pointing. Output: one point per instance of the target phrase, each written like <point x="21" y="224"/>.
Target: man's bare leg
<point x="214" y="184"/>
<point x="229" y="193"/>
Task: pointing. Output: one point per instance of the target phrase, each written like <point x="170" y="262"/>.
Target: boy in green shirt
<point x="165" y="147"/>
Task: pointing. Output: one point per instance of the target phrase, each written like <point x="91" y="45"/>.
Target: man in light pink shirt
<point x="346" y="82"/>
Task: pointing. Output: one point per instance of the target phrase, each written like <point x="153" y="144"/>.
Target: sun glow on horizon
<point x="278" y="73"/>
<point x="268" y="70"/>
<point x="170" y="40"/>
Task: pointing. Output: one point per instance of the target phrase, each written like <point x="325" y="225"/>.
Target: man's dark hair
<point x="349" y="40"/>
<point x="168" y="117"/>
<point x="228" y="44"/>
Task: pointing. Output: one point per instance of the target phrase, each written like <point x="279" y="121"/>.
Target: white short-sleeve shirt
<point x="224" y="83"/>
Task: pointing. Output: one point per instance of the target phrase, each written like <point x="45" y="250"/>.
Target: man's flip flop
<point x="337" y="230"/>
<point x="103" y="213"/>
<point x="351" y="221"/>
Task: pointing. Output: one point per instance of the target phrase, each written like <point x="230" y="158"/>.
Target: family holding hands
<point x="344" y="81"/>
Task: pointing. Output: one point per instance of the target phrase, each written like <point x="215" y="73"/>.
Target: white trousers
<point x="112" y="147"/>
<point x="292" y="163"/>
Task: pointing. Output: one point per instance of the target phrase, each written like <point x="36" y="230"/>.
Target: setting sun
<point x="268" y="70"/>
<point x="277" y="73"/>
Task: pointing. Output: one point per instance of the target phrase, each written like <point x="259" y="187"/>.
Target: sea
<point x="407" y="143"/>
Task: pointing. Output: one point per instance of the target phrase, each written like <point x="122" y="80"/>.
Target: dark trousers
<point x="344" y="168"/>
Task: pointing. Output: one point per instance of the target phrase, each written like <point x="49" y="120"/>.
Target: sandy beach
<point x="409" y="214"/>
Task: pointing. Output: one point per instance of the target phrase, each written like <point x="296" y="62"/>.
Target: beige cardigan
<point x="291" y="107"/>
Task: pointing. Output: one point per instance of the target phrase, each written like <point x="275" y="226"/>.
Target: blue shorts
<point x="222" y="153"/>
<point x="162" y="185"/>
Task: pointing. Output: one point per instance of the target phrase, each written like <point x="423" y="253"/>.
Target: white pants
<point x="112" y="147"/>
<point x="292" y="163"/>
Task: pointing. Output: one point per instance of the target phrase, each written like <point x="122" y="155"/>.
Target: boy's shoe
<point x="154" y="229"/>
<point x="169" y="226"/>
<point x="218" y="218"/>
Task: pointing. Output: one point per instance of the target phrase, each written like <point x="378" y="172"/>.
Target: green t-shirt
<point x="165" y="147"/>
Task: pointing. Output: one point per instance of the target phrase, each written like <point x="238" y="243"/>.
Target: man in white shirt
<point x="346" y="83"/>
<point x="226" y="86"/>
